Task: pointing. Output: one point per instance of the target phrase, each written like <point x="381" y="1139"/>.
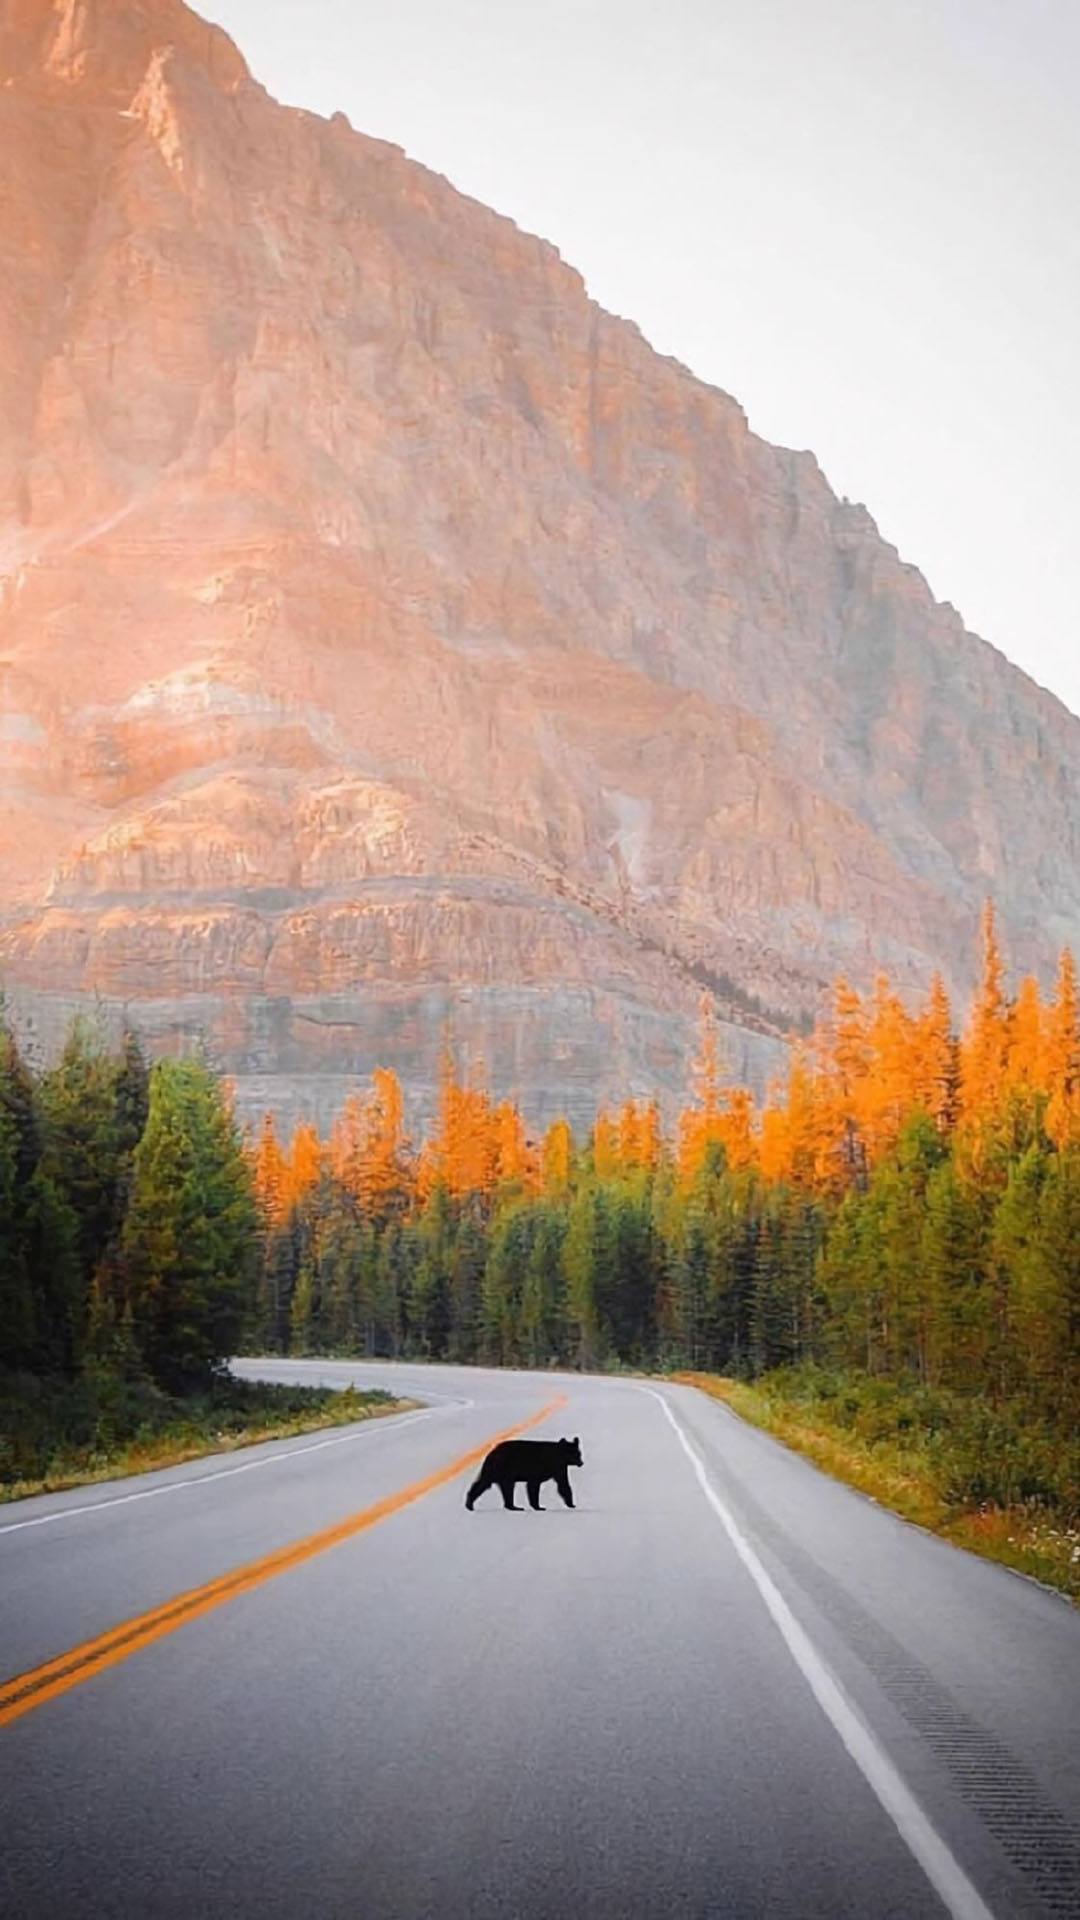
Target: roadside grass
<point x="58" y="1435"/>
<point x="920" y="1474"/>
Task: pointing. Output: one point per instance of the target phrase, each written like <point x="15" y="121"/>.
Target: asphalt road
<point x="724" y="1685"/>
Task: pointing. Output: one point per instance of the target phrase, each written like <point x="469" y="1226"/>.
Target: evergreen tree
<point x="770" y="1306"/>
<point x="277" y="1284"/>
<point x="1016" y="1255"/>
<point x="24" y="1330"/>
<point x="189" y="1240"/>
<point x="132" y="1095"/>
<point x="691" y="1294"/>
<point x="954" y="1251"/>
<point x="624" y="1282"/>
<point x="508" y="1254"/>
<point x="91" y="1107"/>
<point x="579" y="1264"/>
<point x="52" y="1254"/>
<point x="1048" y="1296"/>
<point x="900" y="1204"/>
<point x="467" y="1265"/>
<point x="305" y="1311"/>
<point x="341" y="1251"/>
<point x="392" y="1290"/>
<point x="541" y="1333"/>
<point x="431" y="1274"/>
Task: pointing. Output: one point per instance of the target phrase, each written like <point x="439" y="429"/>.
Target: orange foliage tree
<point x="984" y="1051"/>
<point x="556" y="1160"/>
<point x="701" y="1124"/>
<point x="1061" y="1057"/>
<point x="305" y="1164"/>
<point x="936" y="1060"/>
<point x="270" y="1172"/>
<point x="833" y="1118"/>
<point x="463" y="1155"/>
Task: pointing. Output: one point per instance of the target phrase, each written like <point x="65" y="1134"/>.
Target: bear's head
<point x="571" y="1451"/>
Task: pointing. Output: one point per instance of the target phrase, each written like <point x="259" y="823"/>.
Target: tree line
<point x="129" y="1232"/>
<point x="904" y="1204"/>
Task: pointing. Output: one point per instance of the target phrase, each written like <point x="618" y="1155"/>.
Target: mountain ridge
<point x="352" y="556"/>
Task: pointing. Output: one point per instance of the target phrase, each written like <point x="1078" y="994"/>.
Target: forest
<point x="899" y="1221"/>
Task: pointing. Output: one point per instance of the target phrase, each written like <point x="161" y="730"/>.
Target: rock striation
<point x="389" y="637"/>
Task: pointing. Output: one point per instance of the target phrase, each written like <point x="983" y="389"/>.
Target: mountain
<point x="389" y="637"/>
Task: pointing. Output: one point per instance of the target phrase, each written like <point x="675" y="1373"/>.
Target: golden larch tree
<point x="640" y="1140"/>
<point x="626" y="1136"/>
<point x="270" y="1173"/>
<point x="514" y="1158"/>
<point x="736" y="1128"/>
<point x="345" y="1150"/>
<point x="700" y="1124"/>
<point x="383" y="1173"/>
<point x="795" y="1148"/>
<point x="984" y="1051"/>
<point x="605" y="1145"/>
<point x="936" y="1082"/>
<point x="650" y="1135"/>
<point x="843" y="1057"/>
<point x="1061" y="1057"/>
<point x="466" y="1147"/>
<point x="556" y="1159"/>
<point x="305" y="1164"/>
<point x="888" y="1090"/>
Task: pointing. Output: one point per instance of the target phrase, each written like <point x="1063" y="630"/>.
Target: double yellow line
<point x="33" y="1688"/>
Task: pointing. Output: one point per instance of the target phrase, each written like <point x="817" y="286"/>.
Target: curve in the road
<point x="634" y="1709"/>
<point x="27" y="1691"/>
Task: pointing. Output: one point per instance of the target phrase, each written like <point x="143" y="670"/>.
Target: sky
<point x="860" y="217"/>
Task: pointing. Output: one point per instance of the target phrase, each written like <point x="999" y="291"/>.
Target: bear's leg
<point x="479" y="1486"/>
<point x="506" y="1488"/>
<point x="534" y="1496"/>
<point x="563" y="1484"/>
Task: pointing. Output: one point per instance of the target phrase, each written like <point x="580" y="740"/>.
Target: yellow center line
<point x="33" y="1688"/>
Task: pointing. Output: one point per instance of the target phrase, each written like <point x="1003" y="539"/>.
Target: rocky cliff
<point x="388" y="634"/>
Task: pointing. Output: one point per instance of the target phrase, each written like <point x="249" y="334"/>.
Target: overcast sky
<point x="860" y="217"/>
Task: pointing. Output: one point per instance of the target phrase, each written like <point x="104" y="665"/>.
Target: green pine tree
<point x="90" y="1111"/>
<point x="190" y="1239"/>
<point x="960" y="1301"/>
<point x="25" y="1336"/>
<point x="1048" y="1304"/>
<point x="579" y="1265"/>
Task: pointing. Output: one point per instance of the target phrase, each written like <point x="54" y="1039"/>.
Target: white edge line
<point x="227" y="1473"/>
<point x="945" y="1874"/>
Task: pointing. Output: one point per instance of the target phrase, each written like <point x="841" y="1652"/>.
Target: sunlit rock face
<point x="390" y="638"/>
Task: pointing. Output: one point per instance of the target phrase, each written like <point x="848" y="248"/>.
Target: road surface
<point x="723" y="1685"/>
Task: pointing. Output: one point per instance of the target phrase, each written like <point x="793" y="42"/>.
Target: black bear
<point x="533" y="1461"/>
